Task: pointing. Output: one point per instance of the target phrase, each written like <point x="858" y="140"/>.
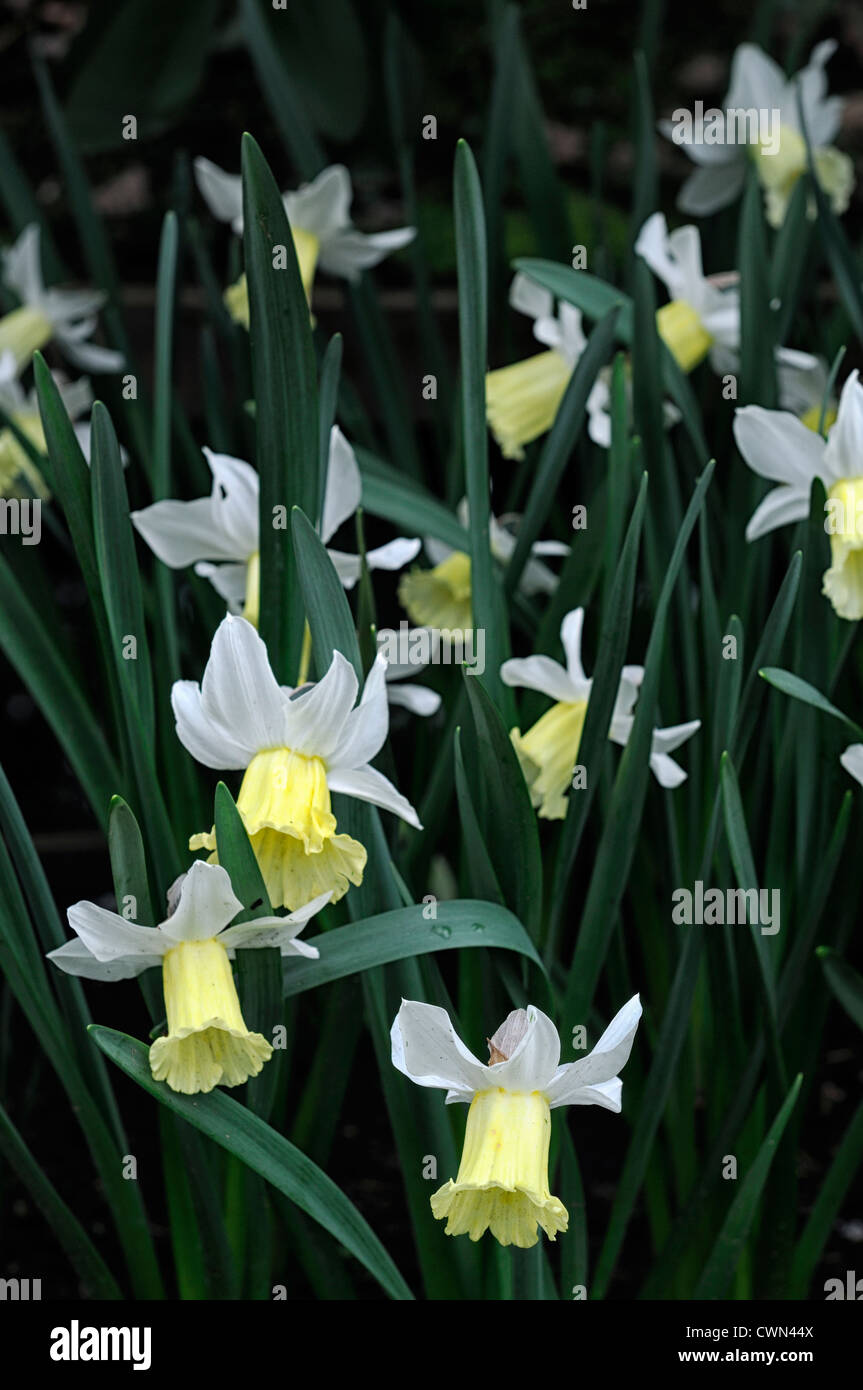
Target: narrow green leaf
<point x="844" y="981"/>
<point x="723" y="1258"/>
<point x="799" y="689"/>
<point x="265" y="1152"/>
<point x="285" y="381"/>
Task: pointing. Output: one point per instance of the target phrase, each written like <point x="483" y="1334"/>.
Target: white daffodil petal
<point x="344" y="488"/>
<point x="542" y="674"/>
<point x="843" y="452"/>
<point x="207" y="904"/>
<point x="778" y="446"/>
<point x="427" y="1049"/>
<point x="605" y="1093"/>
<point x="570" y="636"/>
<point x="365" y="728"/>
<point x="416" y="698"/>
<point x="239" y="690"/>
<point x="322" y="207"/>
<point x="351" y="251"/>
<point x="74" y="959"/>
<point x="395" y="554"/>
<point x="367" y="784"/>
<point x="229" y="582"/>
<point x="180" y="533"/>
<point x="108" y="936"/>
<point x="527" y="297"/>
<point x="208" y="740"/>
<point x="605" y="1060"/>
<point x="711" y="187"/>
<point x="780" y="507"/>
<point x="222" y="192"/>
<point x="536" y="1058"/>
<point x="852" y="761"/>
<point x="236" y="502"/>
<point x="315" y="719"/>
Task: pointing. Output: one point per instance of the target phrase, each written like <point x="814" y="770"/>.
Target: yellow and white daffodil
<point x="778" y="446"/>
<point x="224" y="528"/>
<point x="294" y="747"/>
<point x="548" y="752"/>
<point x="502" y="1181"/>
<point x="321" y="227"/>
<point x="65" y="317"/>
<point x="759" y="86"/>
<point x="522" y="400"/>
<point x="440" y="597"/>
<point x="207" y="1043"/>
<point x="22" y="407"/>
<point x="701" y="318"/>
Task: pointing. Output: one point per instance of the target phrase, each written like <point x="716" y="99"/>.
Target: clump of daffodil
<point x="321" y="228"/>
<point x="65" y="317"/>
<point x="294" y="748"/>
<point x="502" y="1181"/>
<point x="207" y="1043"/>
<point x="548" y="752"/>
<point x="779" y="446"/>
<point x="759" y="85"/>
<point x="440" y="597"/>
<point x="224" y="528"/>
<point x="16" y="465"/>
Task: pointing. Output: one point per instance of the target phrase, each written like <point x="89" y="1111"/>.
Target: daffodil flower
<point x="207" y="1042"/>
<point x="224" y="528"/>
<point x="294" y="747"/>
<point x="522" y="400"/>
<point x="66" y="317"/>
<point x="502" y="1181"/>
<point x="322" y="231"/>
<point x="758" y="84"/>
<point x="23" y="409"/>
<point x="779" y="446"/>
<point x="441" y="596"/>
<point x="548" y="752"/>
<point x="701" y="317"/>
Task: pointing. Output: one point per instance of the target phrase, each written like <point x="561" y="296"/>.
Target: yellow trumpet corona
<point x="547" y="754"/>
<point x="522" y="400"/>
<point x="502" y="1181"/>
<point x="285" y="805"/>
<point x="682" y="331"/>
<point x="208" y="1043"/>
<point x="439" y="597"/>
<point x="843" y="581"/>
